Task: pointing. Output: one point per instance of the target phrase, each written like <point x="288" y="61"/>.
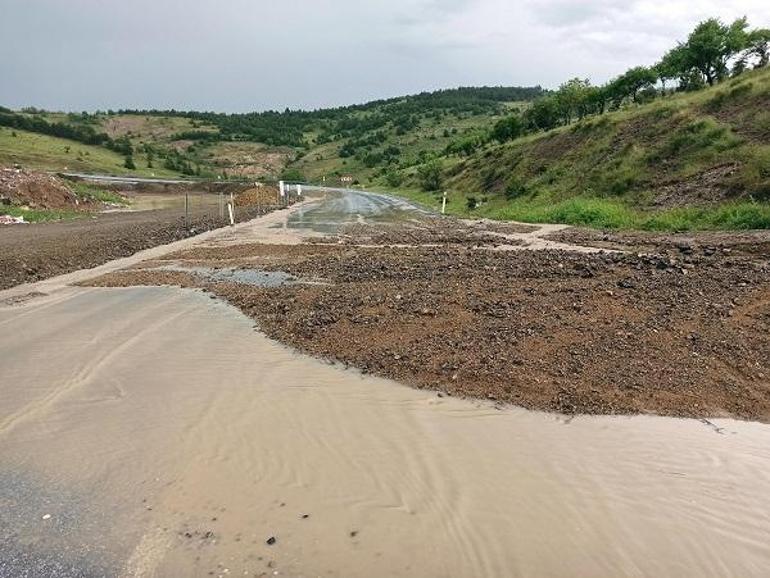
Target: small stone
<point x="271" y="540"/>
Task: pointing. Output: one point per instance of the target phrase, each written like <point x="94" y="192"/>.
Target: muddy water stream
<point x="153" y="432"/>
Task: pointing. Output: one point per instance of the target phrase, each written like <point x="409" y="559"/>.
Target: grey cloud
<point x="239" y="55"/>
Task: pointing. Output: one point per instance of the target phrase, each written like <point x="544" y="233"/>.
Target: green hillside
<point x="690" y="160"/>
<point x="328" y="142"/>
<point x="44" y="152"/>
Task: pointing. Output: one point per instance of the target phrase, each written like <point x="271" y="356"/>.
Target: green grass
<point x="41" y="215"/>
<point x="90" y="192"/>
<point x="613" y="214"/>
<point x="610" y="171"/>
<point x="605" y="213"/>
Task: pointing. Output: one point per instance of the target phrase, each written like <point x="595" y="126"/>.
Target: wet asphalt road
<point x="345" y="206"/>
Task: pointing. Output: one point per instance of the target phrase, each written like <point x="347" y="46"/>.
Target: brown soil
<point x="250" y="160"/>
<point x="36" y="190"/>
<point x="685" y="335"/>
<point x="262" y="195"/>
<point x="702" y="243"/>
<point x="430" y="231"/>
<point x="706" y="188"/>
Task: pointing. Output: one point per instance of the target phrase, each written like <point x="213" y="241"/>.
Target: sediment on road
<point x="685" y="334"/>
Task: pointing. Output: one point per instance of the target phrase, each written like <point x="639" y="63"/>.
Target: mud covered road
<point x="158" y="432"/>
<point x="505" y="312"/>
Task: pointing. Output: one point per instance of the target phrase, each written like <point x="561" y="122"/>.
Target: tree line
<point x="713" y="52"/>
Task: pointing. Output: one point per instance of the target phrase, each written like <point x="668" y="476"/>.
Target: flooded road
<point x="344" y="206"/>
<point x="154" y="432"/>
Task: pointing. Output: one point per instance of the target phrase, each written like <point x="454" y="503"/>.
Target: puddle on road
<point x="197" y="440"/>
<point x="255" y="277"/>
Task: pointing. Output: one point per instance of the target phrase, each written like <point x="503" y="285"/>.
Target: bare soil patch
<point x="429" y="231"/>
<point x="37" y="190"/>
<point x="706" y="188"/>
<point x="701" y="243"/>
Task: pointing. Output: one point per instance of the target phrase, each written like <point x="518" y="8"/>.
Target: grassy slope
<point x="324" y="160"/>
<point x="699" y="160"/>
<point x="45" y="152"/>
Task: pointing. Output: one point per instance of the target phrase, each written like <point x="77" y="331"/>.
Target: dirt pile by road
<point x="685" y="335"/>
<point x="255" y="196"/>
<point x="36" y="190"/>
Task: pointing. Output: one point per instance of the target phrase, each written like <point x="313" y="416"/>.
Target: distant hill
<point x="254" y="145"/>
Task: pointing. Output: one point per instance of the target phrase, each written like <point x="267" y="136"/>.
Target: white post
<point x="232" y="217"/>
<point x="443" y="204"/>
<point x="299" y="190"/>
<point x="280" y="188"/>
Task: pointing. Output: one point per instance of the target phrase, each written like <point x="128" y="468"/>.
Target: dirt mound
<point x="263" y="195"/>
<point x="36" y="190"/>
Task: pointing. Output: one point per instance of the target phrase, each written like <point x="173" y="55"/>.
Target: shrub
<point x="515" y="187"/>
<point x="430" y="175"/>
<point x="292" y="174"/>
<point x="393" y="178"/>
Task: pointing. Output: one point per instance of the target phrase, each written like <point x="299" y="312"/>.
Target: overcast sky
<point x="244" y="55"/>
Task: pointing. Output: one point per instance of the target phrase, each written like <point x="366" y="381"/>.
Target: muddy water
<point x="153" y="432"/>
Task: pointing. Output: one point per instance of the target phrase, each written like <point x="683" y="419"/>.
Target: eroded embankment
<point x="605" y="333"/>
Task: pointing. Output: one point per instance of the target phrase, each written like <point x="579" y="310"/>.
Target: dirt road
<point x="151" y="431"/>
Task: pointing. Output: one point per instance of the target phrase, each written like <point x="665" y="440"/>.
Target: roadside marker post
<point x="186" y="209"/>
<point x="443" y="204"/>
